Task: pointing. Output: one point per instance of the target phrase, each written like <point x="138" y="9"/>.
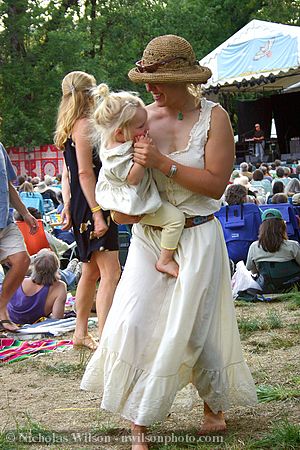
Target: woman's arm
<point x="66" y="194"/>
<point x="297" y="253"/>
<point x="87" y="177"/>
<point x="219" y="156"/>
<point x="250" y="263"/>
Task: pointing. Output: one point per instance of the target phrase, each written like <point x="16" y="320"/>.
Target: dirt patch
<point x="43" y="393"/>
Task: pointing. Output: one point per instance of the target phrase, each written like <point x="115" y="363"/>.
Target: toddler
<point x="124" y="185"/>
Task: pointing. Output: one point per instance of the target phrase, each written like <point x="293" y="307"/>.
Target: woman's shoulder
<point x="254" y="245"/>
<point x="291" y="243"/>
<point x="217" y="111"/>
<point x="81" y="124"/>
<point x="58" y="285"/>
<point x="213" y="112"/>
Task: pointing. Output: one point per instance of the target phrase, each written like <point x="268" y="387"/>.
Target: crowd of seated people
<point x="30" y="198"/>
<point x="263" y="184"/>
<point x="272" y="184"/>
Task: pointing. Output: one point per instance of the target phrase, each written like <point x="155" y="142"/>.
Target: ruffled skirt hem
<point x="144" y="398"/>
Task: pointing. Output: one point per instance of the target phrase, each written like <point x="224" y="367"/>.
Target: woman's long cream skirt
<point x="163" y="333"/>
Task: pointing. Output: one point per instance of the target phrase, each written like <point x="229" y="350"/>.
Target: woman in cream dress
<point x="162" y="332"/>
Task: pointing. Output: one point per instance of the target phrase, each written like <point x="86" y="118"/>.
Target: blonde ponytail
<point x="76" y="103"/>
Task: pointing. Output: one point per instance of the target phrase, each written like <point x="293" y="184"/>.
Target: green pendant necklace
<point x="180" y="116"/>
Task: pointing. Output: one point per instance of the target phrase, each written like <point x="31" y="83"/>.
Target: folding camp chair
<point x="37" y="241"/>
<point x="275" y="276"/>
<point x="240" y="224"/>
<point x="124" y="235"/>
<point x="48" y="205"/>
<point x="33" y="242"/>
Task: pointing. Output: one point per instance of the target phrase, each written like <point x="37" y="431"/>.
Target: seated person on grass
<point x="42" y="294"/>
<point x="274" y="258"/>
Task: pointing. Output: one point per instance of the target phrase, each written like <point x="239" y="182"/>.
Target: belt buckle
<point x="198" y="220"/>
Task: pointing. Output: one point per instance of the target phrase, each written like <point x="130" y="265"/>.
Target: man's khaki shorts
<point x="11" y="242"/>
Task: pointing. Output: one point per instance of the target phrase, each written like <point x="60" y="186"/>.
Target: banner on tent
<point x="258" y="56"/>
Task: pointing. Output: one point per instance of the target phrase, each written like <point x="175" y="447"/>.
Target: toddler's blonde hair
<point x="76" y="103"/>
<point x="114" y="110"/>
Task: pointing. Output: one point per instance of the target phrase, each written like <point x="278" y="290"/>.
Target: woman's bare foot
<point x="212" y="423"/>
<point x="138" y="434"/>
<point x="171" y="268"/>
<point x="5" y="323"/>
<point x="85" y="341"/>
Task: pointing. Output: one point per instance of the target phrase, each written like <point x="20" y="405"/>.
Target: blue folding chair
<point x="48" y="205"/>
<point x="124" y="235"/>
<point x="240" y="224"/>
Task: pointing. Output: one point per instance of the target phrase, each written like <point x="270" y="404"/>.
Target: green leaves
<point x="41" y="41"/>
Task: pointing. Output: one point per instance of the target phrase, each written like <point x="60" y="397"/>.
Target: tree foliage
<point x="41" y="41"/>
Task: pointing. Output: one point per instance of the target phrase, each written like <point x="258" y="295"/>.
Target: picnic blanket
<point x="12" y="350"/>
<point x="70" y="302"/>
<point x="48" y="328"/>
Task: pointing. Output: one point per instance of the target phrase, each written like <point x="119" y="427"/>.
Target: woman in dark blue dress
<point x="96" y="235"/>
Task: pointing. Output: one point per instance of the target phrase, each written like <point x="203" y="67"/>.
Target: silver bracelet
<point x="172" y="171"/>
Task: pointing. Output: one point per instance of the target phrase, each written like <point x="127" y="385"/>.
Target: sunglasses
<point x="150" y="68"/>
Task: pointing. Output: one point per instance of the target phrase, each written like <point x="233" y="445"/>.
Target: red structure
<point x="36" y="162"/>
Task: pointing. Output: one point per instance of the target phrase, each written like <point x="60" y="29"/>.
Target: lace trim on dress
<point x="197" y="131"/>
<point x="144" y="399"/>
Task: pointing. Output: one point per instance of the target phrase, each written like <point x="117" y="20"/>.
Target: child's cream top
<point x="112" y="190"/>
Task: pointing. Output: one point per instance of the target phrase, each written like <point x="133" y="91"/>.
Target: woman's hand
<point x="66" y="219"/>
<point x="31" y="222"/>
<point x="147" y="154"/>
<point x="124" y="219"/>
<point x="100" y="226"/>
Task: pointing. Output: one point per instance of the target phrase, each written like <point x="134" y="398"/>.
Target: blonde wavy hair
<point x="196" y="91"/>
<point x="76" y="103"/>
<point x="114" y="110"/>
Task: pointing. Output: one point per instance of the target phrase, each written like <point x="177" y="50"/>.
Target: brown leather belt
<point x="189" y="222"/>
<point x="197" y="220"/>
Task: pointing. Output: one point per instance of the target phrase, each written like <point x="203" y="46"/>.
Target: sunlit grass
<point x="283" y="436"/>
<point x="66" y="369"/>
<point x="268" y="393"/>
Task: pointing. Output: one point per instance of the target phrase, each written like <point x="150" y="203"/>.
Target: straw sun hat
<point x="244" y="181"/>
<point x="169" y="59"/>
<point x="41" y="187"/>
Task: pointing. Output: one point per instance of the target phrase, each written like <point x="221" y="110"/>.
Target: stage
<point x="244" y="151"/>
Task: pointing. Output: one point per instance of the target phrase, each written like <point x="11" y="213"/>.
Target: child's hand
<point x="145" y="139"/>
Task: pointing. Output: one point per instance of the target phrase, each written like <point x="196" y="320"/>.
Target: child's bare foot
<point x="171" y="268"/>
<point x="212" y="423"/>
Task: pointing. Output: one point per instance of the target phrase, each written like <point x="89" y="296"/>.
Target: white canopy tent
<point x="260" y="56"/>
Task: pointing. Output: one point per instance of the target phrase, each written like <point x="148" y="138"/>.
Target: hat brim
<point x="196" y="75"/>
<point x="40" y="190"/>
